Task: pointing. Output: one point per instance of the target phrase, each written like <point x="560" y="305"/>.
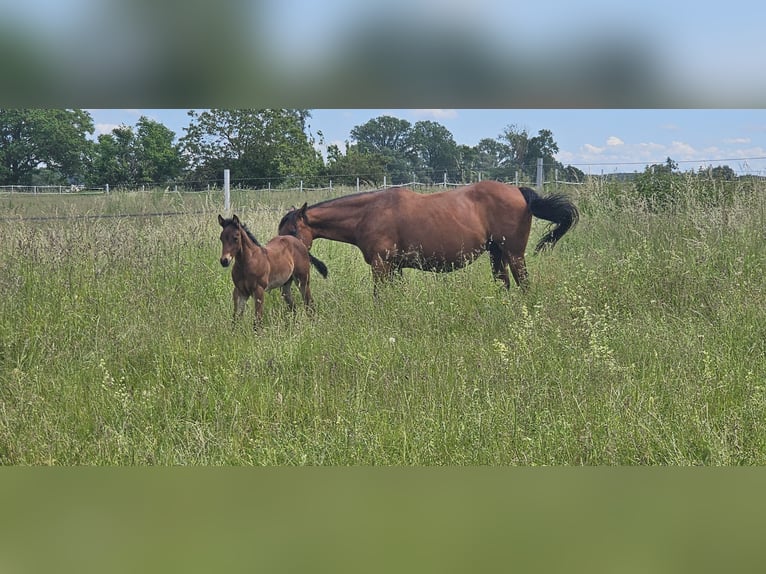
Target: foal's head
<point x="232" y="237"/>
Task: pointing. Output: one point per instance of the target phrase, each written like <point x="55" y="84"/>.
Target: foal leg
<point x="287" y="294"/>
<point x="305" y="289"/>
<point x="258" y="296"/>
<point x="240" y="300"/>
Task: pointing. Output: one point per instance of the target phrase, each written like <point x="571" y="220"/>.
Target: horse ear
<point x="302" y="210"/>
<point x="220" y="220"/>
<point x="235" y="219"/>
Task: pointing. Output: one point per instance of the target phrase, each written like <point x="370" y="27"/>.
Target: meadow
<point x="641" y="341"/>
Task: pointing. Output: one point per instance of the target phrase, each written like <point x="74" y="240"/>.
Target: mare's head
<point x="232" y="237"/>
<point x="296" y="223"/>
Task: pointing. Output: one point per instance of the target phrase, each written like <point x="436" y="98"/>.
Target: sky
<point x="397" y="53"/>
<point x="597" y="141"/>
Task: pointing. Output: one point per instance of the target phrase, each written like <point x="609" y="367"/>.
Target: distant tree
<point x="53" y="142"/>
<point x="467" y="160"/>
<point x="158" y="159"/>
<point x="129" y="157"/>
<point x="543" y="146"/>
<point x="434" y="150"/>
<point x="572" y="174"/>
<point x="524" y="151"/>
<point x="344" y="168"/>
<point x="494" y="159"/>
<point x="723" y="173"/>
<point x="390" y="138"/>
<point x="657" y="184"/>
<point x="385" y="135"/>
<point x="256" y="145"/>
<point x="516" y="140"/>
<point x="113" y="160"/>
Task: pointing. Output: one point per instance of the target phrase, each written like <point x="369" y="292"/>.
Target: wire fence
<point x="553" y="175"/>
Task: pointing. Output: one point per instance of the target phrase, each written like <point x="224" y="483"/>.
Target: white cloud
<point x="737" y="141"/>
<point x="681" y="150"/>
<point x="614" y="141"/>
<point x="588" y="148"/>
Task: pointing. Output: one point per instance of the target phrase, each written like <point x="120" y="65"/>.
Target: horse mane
<point x="291" y="213"/>
<point x="349" y="196"/>
<point x="227" y="222"/>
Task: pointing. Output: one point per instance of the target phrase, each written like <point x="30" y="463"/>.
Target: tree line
<point x="56" y="147"/>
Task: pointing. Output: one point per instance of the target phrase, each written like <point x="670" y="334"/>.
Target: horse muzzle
<point x="225" y="261"/>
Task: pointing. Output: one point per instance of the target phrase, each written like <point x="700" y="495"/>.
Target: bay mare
<point x="397" y="228"/>
<point x="260" y="268"/>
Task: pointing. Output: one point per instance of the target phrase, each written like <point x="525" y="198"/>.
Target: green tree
<point x="467" y="160"/>
<point x="494" y="159"/>
<point x="516" y="142"/>
<point x="50" y="141"/>
<point x="723" y="173"/>
<point x="543" y="146"/>
<point x="113" y="160"/>
<point x="657" y="185"/>
<point x="434" y="150"/>
<point x="129" y="156"/>
<point x="256" y="145"/>
<point x="158" y="159"/>
<point x="524" y="151"/>
<point x="344" y="168"/>
<point x="390" y="138"/>
<point x="572" y="174"/>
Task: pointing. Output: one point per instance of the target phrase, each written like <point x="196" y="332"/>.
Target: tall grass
<point x="640" y="341"/>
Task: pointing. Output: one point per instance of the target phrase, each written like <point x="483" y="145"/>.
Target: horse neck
<point x="335" y="221"/>
<point x="247" y="247"/>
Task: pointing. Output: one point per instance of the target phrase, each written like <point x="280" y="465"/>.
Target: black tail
<point x="556" y="208"/>
<point x="321" y="267"/>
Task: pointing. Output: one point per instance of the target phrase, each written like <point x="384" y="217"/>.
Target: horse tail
<point x="320" y="266"/>
<point x="556" y="208"/>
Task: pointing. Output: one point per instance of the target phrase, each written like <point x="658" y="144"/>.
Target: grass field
<point x="642" y="340"/>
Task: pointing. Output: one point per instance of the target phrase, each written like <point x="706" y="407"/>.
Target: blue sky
<point x="596" y="141"/>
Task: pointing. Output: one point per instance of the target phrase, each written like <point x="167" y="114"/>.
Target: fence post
<point x="539" y="174"/>
<point x="357" y="185"/>
<point x="445" y="180"/>
<point x="301" y="186"/>
<point x="384" y="182"/>
<point x="516" y="179"/>
<point x="226" y="192"/>
<point x="330" y="185"/>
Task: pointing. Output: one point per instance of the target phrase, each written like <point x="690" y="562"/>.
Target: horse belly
<point x="444" y="258"/>
<point x="279" y="277"/>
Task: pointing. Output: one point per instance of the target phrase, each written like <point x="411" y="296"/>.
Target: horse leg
<point x="499" y="267"/>
<point x="287" y="294"/>
<point x="258" y="296"/>
<point x="305" y="289"/>
<point x="382" y="272"/>
<point x="240" y="300"/>
<point x="519" y="270"/>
